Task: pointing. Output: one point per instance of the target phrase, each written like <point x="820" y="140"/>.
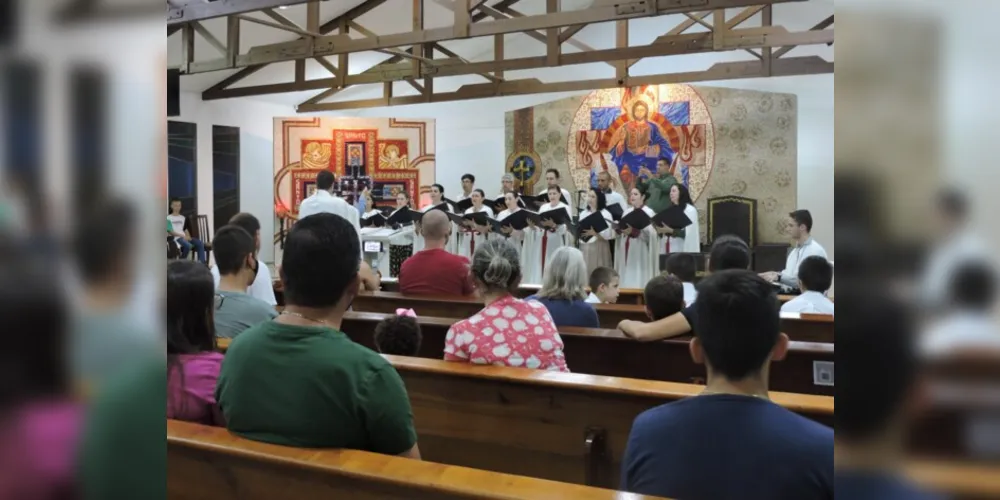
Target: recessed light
<point x="282" y="7"/>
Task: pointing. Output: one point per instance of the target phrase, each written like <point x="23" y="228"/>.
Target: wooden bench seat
<point x="625" y="296"/>
<point x="609" y="352"/>
<point x="800" y="327"/>
<point x="209" y="463"/>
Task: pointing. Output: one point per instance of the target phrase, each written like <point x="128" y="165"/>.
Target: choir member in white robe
<point x="553" y="236"/>
<point x="515" y="236"/>
<point x="606" y="185"/>
<point x="401" y="243"/>
<point x="637" y="253"/>
<point x="552" y="180"/>
<point x="437" y="197"/>
<point x="596" y="247"/>
<point x="686" y="239"/>
<point x="473" y="235"/>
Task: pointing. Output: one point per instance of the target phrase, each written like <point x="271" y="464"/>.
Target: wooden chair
<point x="201" y="231"/>
<point x="210" y="463"/>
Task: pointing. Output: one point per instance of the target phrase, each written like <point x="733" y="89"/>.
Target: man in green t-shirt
<point x="658" y="187"/>
<point x="298" y="380"/>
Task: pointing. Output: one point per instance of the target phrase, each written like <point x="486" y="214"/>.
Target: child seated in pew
<point x="684" y="267"/>
<point x="731" y="441"/>
<point x="193" y="363"/>
<point x="399" y="335"/>
<point x="603" y="286"/>
<point x="663" y="295"/>
<point x="815" y="278"/>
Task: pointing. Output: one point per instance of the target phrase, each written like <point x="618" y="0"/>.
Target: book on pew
<point x="375" y="220"/>
<point x="480" y="218"/>
<point x="403" y="216"/>
<point x="462" y="206"/>
<point x="636" y="219"/>
<point x="595" y="221"/>
<point x="615" y="210"/>
<point x="543" y="198"/>
<point x="519" y="220"/>
<point x="673" y="217"/>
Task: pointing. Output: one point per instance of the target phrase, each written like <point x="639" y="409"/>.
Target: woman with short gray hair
<point x="508" y="331"/>
<point x="563" y="290"/>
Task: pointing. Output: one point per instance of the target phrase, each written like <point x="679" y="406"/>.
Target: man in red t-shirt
<point x="434" y="271"/>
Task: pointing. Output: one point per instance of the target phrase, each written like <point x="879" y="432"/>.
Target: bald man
<point x="433" y="270"/>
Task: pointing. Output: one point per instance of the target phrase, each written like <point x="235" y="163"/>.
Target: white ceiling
<point x="395" y="17"/>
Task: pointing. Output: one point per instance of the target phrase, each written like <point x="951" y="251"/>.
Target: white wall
<point x="256" y="155"/>
<point x="470" y="136"/>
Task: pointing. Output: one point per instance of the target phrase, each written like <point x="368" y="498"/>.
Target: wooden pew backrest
<point x="210" y="463"/>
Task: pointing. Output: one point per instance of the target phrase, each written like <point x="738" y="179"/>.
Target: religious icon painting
<point x="355" y="154"/>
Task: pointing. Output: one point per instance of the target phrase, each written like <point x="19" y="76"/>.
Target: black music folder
<point x="479" y="218"/>
<point x="462" y="206"/>
<point x="595" y="221"/>
<point x="401" y="217"/>
<point x="495" y="226"/>
<point x="615" y="210"/>
<point x="519" y="220"/>
<point x="501" y="203"/>
<point x="636" y="219"/>
<point x="543" y="198"/>
<point x="560" y="216"/>
<point x="376" y="220"/>
<point x="673" y="217"/>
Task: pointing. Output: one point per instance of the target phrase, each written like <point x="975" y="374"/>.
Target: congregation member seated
<point x="106" y="333"/>
<point x="182" y="234"/>
<point x="563" y="292"/>
<point x="399" y="334"/>
<point x="42" y="424"/>
<point x="728" y="252"/>
<point x="603" y="286"/>
<point x="815" y="278"/>
<point x="968" y="322"/>
<point x="508" y="331"/>
<point x="262" y="286"/>
<point x="731" y="441"/>
<point x="192" y="360"/>
<point x="298" y="380"/>
<point x="879" y="393"/>
<point x="684" y="266"/>
<point x="664" y="296"/>
<point x="800" y="224"/>
<point x="371" y="279"/>
<point x="235" y="309"/>
<point x="433" y="270"/>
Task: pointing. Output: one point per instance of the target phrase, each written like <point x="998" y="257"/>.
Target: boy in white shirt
<point x="683" y="266"/>
<point x="603" y="286"/>
<point x="815" y="277"/>
<point x="969" y="323"/>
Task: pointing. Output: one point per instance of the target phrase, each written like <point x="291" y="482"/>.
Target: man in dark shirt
<point x="728" y="252"/>
<point x="434" y="271"/>
<point x="877" y="393"/>
<point x="731" y="441"/>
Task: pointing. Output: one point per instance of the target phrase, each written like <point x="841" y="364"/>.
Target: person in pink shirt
<point x="508" y="331"/>
<point x="192" y="361"/>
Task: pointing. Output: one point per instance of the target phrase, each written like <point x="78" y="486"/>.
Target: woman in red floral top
<point x="508" y="331"/>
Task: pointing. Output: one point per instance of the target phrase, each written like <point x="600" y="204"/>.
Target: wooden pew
<point x="626" y="296"/>
<point x="573" y="427"/>
<point x="610" y="353"/>
<point x="800" y="327"/>
<point x="209" y="463"/>
<point x="564" y="427"/>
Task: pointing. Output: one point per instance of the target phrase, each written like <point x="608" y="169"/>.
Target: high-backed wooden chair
<point x="201" y="231"/>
